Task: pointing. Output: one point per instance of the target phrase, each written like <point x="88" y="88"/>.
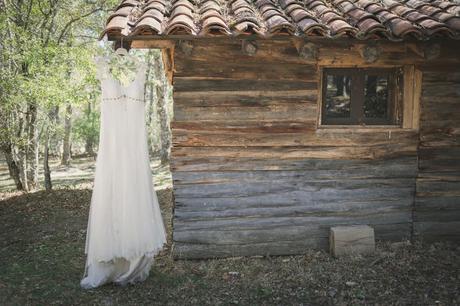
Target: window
<point x="360" y="96"/>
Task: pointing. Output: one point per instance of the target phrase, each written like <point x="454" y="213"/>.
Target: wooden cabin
<point x="292" y="116"/>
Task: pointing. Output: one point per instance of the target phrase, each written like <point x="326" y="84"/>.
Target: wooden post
<point x="348" y="240"/>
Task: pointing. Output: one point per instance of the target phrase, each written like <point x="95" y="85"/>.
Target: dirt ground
<point x="42" y="236"/>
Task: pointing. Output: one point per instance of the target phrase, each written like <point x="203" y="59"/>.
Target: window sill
<point x="362" y="128"/>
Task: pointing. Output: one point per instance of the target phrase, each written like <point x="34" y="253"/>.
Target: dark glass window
<point x="338" y="96"/>
<point x="358" y="96"/>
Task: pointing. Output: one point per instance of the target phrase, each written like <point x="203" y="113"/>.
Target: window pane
<point x="375" y="96"/>
<point x="338" y="96"/>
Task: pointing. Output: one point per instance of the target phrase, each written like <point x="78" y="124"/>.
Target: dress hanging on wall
<point x="125" y="228"/>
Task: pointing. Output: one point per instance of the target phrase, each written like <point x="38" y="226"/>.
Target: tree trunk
<point x="13" y="167"/>
<point x="21" y="150"/>
<point x="23" y="169"/>
<point x="46" y="167"/>
<point x="49" y="127"/>
<point x="8" y="120"/>
<point x="66" y="151"/>
<point x="32" y="147"/>
<point x="150" y="94"/>
<point x="89" y="143"/>
<point x="163" y="117"/>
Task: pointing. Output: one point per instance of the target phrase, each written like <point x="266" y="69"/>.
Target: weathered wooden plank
<point x="441" y="106"/>
<point x="439" y="153"/>
<point x="217" y="169"/>
<point x="192" y="158"/>
<point x="206" y="177"/>
<point x="428" y="186"/>
<point x="288" y="211"/>
<point x="393" y="167"/>
<point x="346" y="54"/>
<point x="439" y="175"/>
<point x="249" y="99"/>
<point x="441" y="77"/>
<point x="440" y="89"/>
<point x="440" y="113"/>
<point x="196" y="251"/>
<point x="393" y="231"/>
<point x="439" y="159"/>
<point x="446" y="165"/>
<point x="437" y="202"/>
<point x="219" y="237"/>
<point x="437" y="215"/>
<point x="258" y="70"/>
<point x="272" y="111"/>
<point x="258" y="126"/>
<point x="437" y="208"/>
<point x="213" y="205"/>
<point x="437" y="231"/>
<point x="324" y="138"/>
<point x="290" y="184"/>
<point x="213" y="84"/>
<point x="440" y="126"/>
<point x="250" y="96"/>
<point x="433" y="102"/>
<point x="326" y="201"/>
<point x="370" y="217"/>
<point x="440" y="140"/>
<point x="225" y="51"/>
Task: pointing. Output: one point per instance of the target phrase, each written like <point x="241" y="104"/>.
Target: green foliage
<point x="46" y="57"/>
<point x="87" y="127"/>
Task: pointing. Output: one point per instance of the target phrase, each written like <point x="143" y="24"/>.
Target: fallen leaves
<point x="42" y="239"/>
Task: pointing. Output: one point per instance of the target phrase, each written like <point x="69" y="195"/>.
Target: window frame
<point x="357" y="96"/>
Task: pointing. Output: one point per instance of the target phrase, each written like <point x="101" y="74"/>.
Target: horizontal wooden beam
<point x="152" y="44"/>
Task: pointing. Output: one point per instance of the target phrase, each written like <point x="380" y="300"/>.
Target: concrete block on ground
<point x="349" y="240"/>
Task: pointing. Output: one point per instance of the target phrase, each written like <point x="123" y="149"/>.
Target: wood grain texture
<point x="254" y="175"/>
<point x="437" y="202"/>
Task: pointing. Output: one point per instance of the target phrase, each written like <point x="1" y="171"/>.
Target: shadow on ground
<point x="42" y="238"/>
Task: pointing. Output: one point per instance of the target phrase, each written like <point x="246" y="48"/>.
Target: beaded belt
<point x="123" y="96"/>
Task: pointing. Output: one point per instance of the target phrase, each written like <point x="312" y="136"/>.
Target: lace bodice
<point x="114" y="90"/>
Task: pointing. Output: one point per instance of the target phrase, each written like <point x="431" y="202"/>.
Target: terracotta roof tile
<point x="362" y="19"/>
<point x="305" y="19"/>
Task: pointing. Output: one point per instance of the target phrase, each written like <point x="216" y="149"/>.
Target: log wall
<point x="437" y="206"/>
<point x="254" y="175"/>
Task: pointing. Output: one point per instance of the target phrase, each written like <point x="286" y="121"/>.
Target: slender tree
<point x="40" y="41"/>
<point x="66" y="146"/>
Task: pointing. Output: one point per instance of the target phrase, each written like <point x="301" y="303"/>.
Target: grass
<point x="42" y="236"/>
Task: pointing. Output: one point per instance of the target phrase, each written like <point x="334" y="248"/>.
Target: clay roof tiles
<point x="362" y="19"/>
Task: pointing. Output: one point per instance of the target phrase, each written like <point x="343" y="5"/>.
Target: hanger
<point x="121" y="51"/>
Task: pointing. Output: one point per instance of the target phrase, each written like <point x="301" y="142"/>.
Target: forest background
<point x="49" y="93"/>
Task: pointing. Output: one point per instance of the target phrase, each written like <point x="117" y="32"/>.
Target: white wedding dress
<point x="125" y="227"/>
